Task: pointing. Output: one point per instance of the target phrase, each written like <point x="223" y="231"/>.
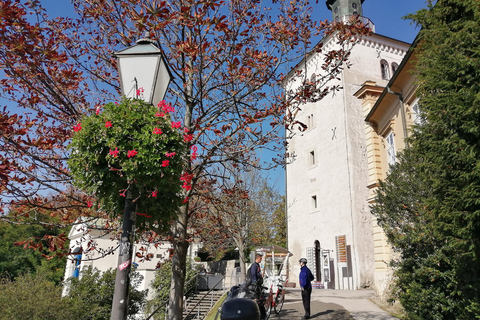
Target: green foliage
<point x="89" y="298"/>
<point x="34" y="298"/>
<point x="15" y="260"/>
<point x="429" y="206"/>
<point x="161" y="285"/>
<point x="92" y="294"/>
<point x="279" y="223"/>
<point x="97" y="168"/>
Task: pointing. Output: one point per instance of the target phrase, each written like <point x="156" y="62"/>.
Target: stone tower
<point x="327" y="187"/>
<point x="345" y="8"/>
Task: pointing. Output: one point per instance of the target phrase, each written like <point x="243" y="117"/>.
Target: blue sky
<point x="385" y="14"/>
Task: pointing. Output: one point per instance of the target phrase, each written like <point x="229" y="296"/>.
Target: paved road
<point x="333" y="304"/>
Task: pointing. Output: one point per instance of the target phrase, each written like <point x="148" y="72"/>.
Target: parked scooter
<point x="245" y="302"/>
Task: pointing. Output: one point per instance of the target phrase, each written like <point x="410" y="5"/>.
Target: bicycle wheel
<point x="279" y="302"/>
<point x="268" y="309"/>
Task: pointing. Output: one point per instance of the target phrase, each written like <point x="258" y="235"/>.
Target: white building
<point x="92" y="246"/>
<point x="329" y="220"/>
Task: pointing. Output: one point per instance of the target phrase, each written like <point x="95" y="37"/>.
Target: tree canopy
<point x="429" y="205"/>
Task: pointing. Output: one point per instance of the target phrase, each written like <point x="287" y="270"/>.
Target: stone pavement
<point x="334" y="305"/>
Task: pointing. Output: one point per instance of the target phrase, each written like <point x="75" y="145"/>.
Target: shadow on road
<point x="293" y="310"/>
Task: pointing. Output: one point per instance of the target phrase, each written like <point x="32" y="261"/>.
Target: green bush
<point x="161" y="286"/>
<point x="92" y="294"/>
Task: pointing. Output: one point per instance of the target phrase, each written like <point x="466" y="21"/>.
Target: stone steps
<point x="207" y="301"/>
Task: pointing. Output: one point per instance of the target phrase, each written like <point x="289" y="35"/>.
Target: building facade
<point x="328" y="216"/>
<point x="92" y="247"/>
<point x="390" y="112"/>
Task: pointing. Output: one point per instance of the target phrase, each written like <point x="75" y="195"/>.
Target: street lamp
<point x="142" y="66"/>
<point x="144" y="75"/>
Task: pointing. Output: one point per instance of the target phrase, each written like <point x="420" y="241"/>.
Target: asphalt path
<point x="332" y="304"/>
<point x="293" y="310"/>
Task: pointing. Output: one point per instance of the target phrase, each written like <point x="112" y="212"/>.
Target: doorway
<point x="318" y="264"/>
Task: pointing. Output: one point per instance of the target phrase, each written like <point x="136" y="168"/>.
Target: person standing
<point x="306" y="277"/>
<point x="255" y="271"/>
<point x="256" y="282"/>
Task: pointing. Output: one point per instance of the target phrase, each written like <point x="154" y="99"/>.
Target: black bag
<point x="248" y="276"/>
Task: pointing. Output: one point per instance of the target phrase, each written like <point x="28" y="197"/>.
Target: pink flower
<point x="186" y="200"/>
<point x="78" y="127"/>
<point x="165" y="163"/>
<point x="89" y="204"/>
<point x="97" y="111"/>
<point x="170" y="154"/>
<point x="140" y="91"/>
<point x="154" y="194"/>
<point x="186" y="177"/>
<point x="131" y="153"/>
<point x="194" y="154"/>
<point x="166" y="107"/>
<point x="188" y="137"/>
<point x="176" y="125"/>
<point x="159" y="114"/>
<point x="116" y="103"/>
<point x="157" y="131"/>
<point x="108" y="124"/>
<point x="114" y="153"/>
<point x="123" y="192"/>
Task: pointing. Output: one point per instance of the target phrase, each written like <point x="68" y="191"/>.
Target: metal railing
<point x="190" y="287"/>
<point x="196" y="307"/>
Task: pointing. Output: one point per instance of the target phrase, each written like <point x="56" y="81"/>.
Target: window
<point x="394" y="67"/>
<point x="314" y="202"/>
<point x="310" y="123"/>
<point x="78" y="262"/>
<point x="391" y="157"/>
<point x="416" y="113"/>
<point x="354" y="6"/>
<point x="336" y="10"/>
<point x="384" y="68"/>
<point x="312" y="158"/>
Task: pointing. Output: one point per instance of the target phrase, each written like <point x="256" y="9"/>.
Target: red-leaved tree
<point x="228" y="59"/>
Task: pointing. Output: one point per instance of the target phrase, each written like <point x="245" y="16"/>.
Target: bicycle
<point x="279" y="297"/>
<point x="274" y="301"/>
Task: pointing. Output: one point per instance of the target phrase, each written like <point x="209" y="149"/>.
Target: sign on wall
<point x="341" y="242"/>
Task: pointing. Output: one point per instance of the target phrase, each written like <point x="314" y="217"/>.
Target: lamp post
<point x="144" y="75"/>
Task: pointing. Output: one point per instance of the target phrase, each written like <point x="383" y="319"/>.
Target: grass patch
<point x="213" y="313"/>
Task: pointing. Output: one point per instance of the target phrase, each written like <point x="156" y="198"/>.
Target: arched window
<point x="394" y="67"/>
<point x="385" y="69"/>
<point x="354" y="6"/>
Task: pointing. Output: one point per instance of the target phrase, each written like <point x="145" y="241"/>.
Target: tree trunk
<point x="122" y="278"/>
<point x="241" y="255"/>
<point x="179" y="264"/>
